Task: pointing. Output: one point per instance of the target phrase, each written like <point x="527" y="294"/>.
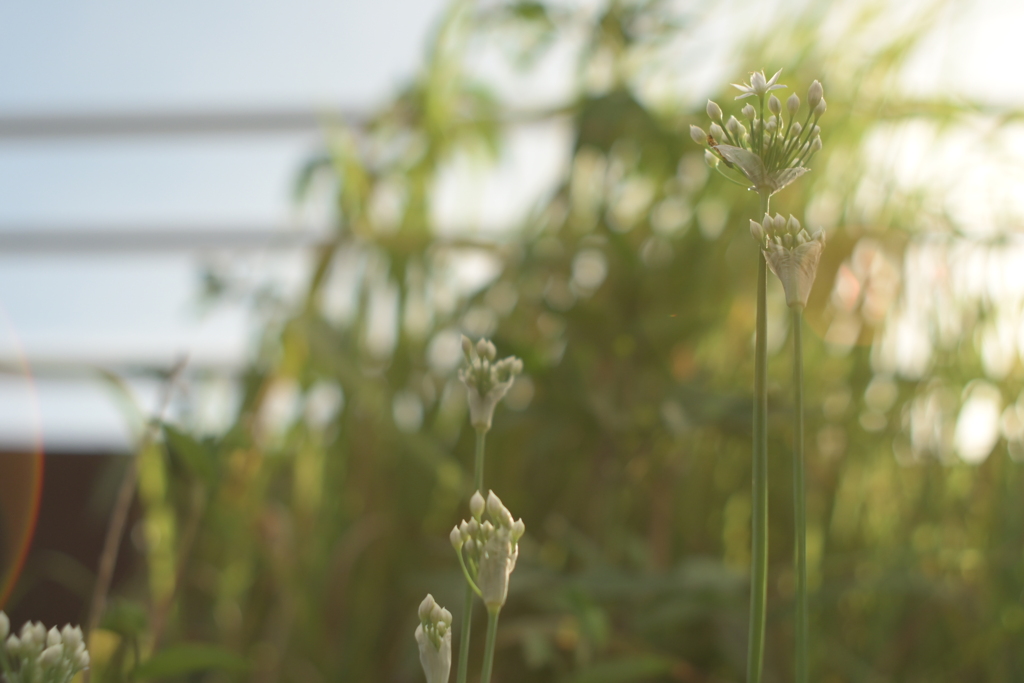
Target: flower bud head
<point x="456" y="538"/>
<point x="82" y="659"/>
<point x="436" y="614"/>
<point x="796" y="129"/>
<point x="710" y="159"/>
<point x="772" y="124"/>
<point x="779" y="223"/>
<point x="774" y="105"/>
<point x="714" y="111"/>
<point x="819" y="109"/>
<point x="467" y="348"/>
<point x="749" y="112"/>
<point x="815" y="145"/>
<point x="518" y="529"/>
<point x="487" y="529"/>
<point x="757" y="232"/>
<point x="698" y="135"/>
<point x="793" y="104"/>
<point x="5" y="625"/>
<point x="469" y="546"/>
<point x="476" y="505"/>
<point x="426" y="607"/>
<point x="814" y="95"/>
<point x="13" y="645"/>
<point x="52" y="637"/>
<point x="717" y="133"/>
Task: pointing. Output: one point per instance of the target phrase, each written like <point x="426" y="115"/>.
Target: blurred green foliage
<point x="304" y="544"/>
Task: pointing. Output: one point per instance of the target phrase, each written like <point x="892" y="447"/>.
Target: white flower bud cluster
<point x="488" y="548"/>
<point x="35" y="654"/>
<point x="777" y="149"/>
<point x="792" y="254"/>
<point x="434" y="638"/>
<point x="487" y="381"/>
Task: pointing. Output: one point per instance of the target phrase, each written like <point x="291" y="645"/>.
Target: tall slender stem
<point x="467" y="609"/>
<point x="478" y="480"/>
<point x="799" y="500"/>
<point x="492" y="632"/>
<point x="759" y="498"/>
<point x="467" y="624"/>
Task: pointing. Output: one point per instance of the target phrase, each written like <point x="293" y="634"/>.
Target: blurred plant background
<point x="302" y="538"/>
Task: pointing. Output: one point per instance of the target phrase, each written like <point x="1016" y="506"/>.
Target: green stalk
<point x="467" y="624"/>
<point x="467" y="609"/>
<point x="759" y="498"/>
<point x="492" y="632"/>
<point x="799" y="501"/>
<point x="478" y="480"/>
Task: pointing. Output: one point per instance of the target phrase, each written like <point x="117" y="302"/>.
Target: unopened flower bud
<point x="436" y="614"/>
<point x="456" y="538"/>
<point x="814" y="95"/>
<point x="796" y="129"/>
<point x="779" y="223"/>
<point x="710" y="159"/>
<point x="426" y="607"/>
<point x="774" y="105"/>
<point x="51" y="656"/>
<point x="476" y="505"/>
<point x="82" y="659"/>
<point x="793" y="104"/>
<point x="72" y="636"/>
<point x="52" y="637"/>
<point x="5" y="625"/>
<point x="717" y="133"/>
<point x="467" y="348"/>
<point x="749" y="112"/>
<point x="13" y="645"/>
<point x="698" y="135"/>
<point x="757" y="232"/>
<point x="518" y="529"/>
<point x="815" y="145"/>
<point x="714" y="111"/>
<point x="820" y="108"/>
<point x="792" y="225"/>
<point x="733" y="126"/>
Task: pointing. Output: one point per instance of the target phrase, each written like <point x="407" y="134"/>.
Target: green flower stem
<point x="799" y="500"/>
<point x="759" y="498"/>
<point x="467" y="624"/>
<point x="467" y="609"/>
<point x="481" y="434"/>
<point x="492" y="632"/>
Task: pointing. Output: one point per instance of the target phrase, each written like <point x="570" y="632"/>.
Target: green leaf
<point x="186" y="658"/>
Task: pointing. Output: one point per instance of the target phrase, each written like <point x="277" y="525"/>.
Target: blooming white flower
<point x="434" y="638"/>
<point x="758" y="86"/>
<point x="776" y="151"/>
<point x="487" y="381"/>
